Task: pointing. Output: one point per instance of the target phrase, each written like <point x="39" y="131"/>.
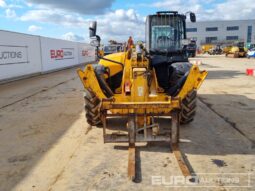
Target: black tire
<point x="92" y="114"/>
<point x="189" y="104"/>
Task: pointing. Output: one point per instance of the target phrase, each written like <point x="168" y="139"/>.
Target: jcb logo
<point x="57" y="54"/>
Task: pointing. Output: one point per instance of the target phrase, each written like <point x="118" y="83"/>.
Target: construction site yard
<point x="46" y="144"/>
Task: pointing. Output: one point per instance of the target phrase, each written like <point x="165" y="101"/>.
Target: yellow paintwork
<point x="194" y="81"/>
<point x="206" y="48"/>
<point x="101" y="53"/>
<point x="235" y="51"/>
<point x="89" y="81"/>
<point x="226" y="49"/>
<point x="142" y="96"/>
<point x="114" y="68"/>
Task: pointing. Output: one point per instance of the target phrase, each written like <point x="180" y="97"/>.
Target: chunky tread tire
<point x="92" y="104"/>
<point x="188" y="107"/>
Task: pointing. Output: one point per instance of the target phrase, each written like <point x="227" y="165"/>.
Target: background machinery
<point x="237" y="50"/>
<point x="143" y="85"/>
<point x="206" y="48"/>
<point x="191" y="48"/>
<point x="227" y="48"/>
<point x="251" y="53"/>
<point x="112" y="48"/>
<point x="216" y="50"/>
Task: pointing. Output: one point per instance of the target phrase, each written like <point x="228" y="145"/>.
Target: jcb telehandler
<point x="143" y="84"/>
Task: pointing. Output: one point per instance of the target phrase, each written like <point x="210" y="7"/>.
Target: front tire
<point x="189" y="104"/>
<point x="92" y="113"/>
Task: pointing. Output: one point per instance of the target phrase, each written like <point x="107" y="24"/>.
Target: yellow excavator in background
<point x="227" y="49"/>
<point x="206" y="48"/>
<point x="143" y="84"/>
<point x="237" y="50"/>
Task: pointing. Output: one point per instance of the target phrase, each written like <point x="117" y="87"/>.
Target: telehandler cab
<point x="141" y="86"/>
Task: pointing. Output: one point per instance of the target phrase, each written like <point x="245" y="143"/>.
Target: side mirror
<point x="192" y="17"/>
<point x="92" y="29"/>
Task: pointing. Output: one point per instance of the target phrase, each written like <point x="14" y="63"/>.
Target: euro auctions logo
<point x="62" y="54"/>
<point x="85" y="53"/>
<point x="230" y="180"/>
<point x="57" y="54"/>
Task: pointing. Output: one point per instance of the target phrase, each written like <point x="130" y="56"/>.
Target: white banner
<point x="13" y="54"/>
<point x="19" y="55"/>
<point x="57" y="54"/>
<point x="86" y="53"/>
<point x="22" y="54"/>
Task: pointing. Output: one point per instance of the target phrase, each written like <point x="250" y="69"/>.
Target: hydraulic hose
<point x="116" y="62"/>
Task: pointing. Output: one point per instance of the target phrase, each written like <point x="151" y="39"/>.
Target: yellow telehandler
<point x="144" y="83"/>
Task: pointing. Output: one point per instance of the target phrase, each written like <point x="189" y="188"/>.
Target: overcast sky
<point x="117" y="19"/>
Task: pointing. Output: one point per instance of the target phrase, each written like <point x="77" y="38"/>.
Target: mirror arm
<point x="98" y="39"/>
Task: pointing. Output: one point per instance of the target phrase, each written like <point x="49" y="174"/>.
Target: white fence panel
<point x="86" y="53"/>
<point x="19" y="55"/>
<point x="57" y="54"/>
<point x="23" y="55"/>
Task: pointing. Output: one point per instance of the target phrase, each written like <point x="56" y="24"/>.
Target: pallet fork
<point x="133" y="136"/>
